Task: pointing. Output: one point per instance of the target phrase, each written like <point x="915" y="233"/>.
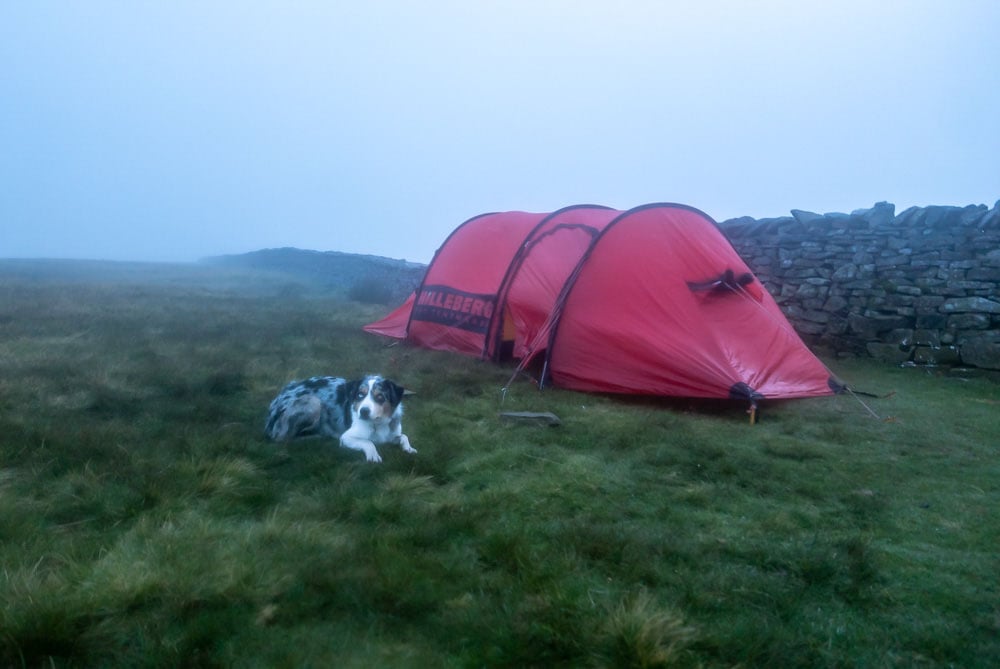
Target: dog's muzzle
<point x="365" y="413"/>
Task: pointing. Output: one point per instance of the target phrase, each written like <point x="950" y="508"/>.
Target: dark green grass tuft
<point x="144" y="520"/>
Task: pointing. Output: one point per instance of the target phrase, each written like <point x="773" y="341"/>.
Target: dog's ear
<point x="393" y="391"/>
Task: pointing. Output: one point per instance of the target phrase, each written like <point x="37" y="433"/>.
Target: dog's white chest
<point x="384" y="432"/>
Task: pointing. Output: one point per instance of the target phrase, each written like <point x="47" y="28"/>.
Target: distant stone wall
<point x="919" y="287"/>
<point x="364" y="278"/>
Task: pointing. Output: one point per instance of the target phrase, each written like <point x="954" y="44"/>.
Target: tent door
<point x="506" y="350"/>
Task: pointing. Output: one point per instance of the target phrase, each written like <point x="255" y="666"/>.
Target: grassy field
<point x="144" y="520"/>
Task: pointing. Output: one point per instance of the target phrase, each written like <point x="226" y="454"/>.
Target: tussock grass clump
<point x="145" y="521"/>
<point x="640" y="634"/>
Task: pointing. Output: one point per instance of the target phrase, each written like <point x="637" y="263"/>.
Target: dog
<point x="361" y="414"/>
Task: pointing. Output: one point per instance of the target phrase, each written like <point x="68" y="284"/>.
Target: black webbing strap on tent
<point x="744" y="392"/>
<point x="727" y="281"/>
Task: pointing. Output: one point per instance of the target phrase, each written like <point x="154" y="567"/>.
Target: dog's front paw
<point x="372" y="455"/>
<point x="404" y="443"/>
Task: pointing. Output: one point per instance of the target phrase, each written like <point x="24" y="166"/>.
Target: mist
<point x="175" y="131"/>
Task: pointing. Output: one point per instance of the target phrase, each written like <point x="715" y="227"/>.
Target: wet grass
<point x="144" y="520"/>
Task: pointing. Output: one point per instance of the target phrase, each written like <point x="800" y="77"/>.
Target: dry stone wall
<point x="921" y="287"/>
<point x="365" y="278"/>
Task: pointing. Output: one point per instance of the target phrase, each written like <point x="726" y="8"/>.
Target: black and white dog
<point x="360" y="413"/>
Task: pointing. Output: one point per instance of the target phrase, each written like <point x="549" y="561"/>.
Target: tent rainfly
<point x="653" y="301"/>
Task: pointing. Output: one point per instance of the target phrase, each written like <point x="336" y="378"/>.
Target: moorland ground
<point x="145" y="521"/>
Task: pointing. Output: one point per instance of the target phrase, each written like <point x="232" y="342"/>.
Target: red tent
<point x="654" y="300"/>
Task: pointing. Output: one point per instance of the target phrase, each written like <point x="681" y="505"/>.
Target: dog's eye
<point x="361" y="395"/>
<point x="379" y="398"/>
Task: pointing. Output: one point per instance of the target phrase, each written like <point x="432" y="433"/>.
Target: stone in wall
<point x="971" y="304"/>
<point x="982" y="350"/>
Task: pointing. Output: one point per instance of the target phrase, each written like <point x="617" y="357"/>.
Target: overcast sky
<point x="174" y="130"/>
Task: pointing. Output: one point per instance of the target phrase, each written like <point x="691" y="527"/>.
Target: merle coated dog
<point x="362" y="414"/>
